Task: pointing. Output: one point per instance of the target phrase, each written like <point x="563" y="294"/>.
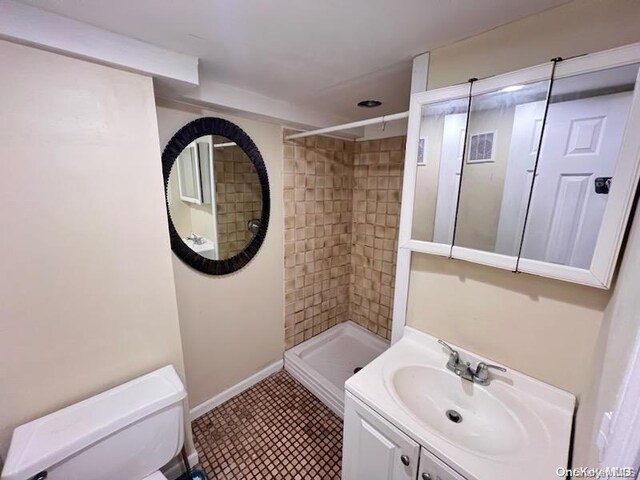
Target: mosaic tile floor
<point x="275" y="430"/>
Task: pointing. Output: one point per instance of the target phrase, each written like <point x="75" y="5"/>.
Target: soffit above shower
<point x="321" y="56"/>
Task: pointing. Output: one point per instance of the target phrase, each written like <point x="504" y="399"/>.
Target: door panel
<point x="581" y="143"/>
<point x="373" y="448"/>
<point x="568" y="215"/>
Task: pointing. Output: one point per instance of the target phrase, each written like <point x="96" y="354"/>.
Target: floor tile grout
<point x="276" y="429"/>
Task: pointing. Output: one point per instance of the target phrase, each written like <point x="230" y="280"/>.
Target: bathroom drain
<point x="454" y="416"/>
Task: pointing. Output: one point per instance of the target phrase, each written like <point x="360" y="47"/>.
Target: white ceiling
<point x="323" y="55"/>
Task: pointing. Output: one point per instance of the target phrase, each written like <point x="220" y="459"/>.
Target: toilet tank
<point x="125" y="433"/>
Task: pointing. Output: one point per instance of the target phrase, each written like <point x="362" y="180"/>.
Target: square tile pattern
<point x="238" y="198"/>
<point x="274" y="430"/>
<point x="318" y="197"/>
<point x="377" y="189"/>
<point x="342" y="208"/>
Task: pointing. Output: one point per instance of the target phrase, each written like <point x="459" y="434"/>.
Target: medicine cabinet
<point x="532" y="171"/>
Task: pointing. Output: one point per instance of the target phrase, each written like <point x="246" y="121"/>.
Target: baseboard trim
<point x="231" y="392"/>
<point x="176" y="467"/>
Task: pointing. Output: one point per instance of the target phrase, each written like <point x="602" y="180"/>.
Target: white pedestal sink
<point x="516" y="427"/>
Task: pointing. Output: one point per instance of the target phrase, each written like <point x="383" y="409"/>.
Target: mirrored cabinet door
<point x="577" y="171"/>
<point x="439" y="157"/>
<point x="532" y="171"/>
<point x="501" y="146"/>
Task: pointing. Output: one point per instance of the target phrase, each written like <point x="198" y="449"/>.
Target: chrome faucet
<point x="196" y="239"/>
<point x="461" y="369"/>
<point x="479" y="375"/>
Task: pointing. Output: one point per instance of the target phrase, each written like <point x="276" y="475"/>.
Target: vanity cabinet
<point x="431" y="468"/>
<point x="373" y="448"/>
<point x="376" y="450"/>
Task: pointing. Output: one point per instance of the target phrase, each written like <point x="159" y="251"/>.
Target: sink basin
<point x="206" y="248"/>
<point x="484" y="420"/>
<point x="515" y="427"/>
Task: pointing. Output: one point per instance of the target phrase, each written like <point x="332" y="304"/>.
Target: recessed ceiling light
<point x="369" y="103"/>
<point x="512" y="88"/>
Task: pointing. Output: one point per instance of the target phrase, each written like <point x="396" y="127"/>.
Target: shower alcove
<point x="342" y="209"/>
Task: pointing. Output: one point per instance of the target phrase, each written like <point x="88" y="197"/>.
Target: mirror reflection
<point x="215" y="197"/>
<point x="441" y="143"/>
<point x="502" y="144"/>
<point x="582" y="139"/>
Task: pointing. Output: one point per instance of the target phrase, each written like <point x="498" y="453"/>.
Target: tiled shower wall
<point x="342" y="205"/>
<point x="318" y="196"/>
<point x="378" y="168"/>
<point x="238" y="199"/>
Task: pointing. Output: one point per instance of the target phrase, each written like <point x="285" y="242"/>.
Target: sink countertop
<point x="199" y="247"/>
<point x="539" y="414"/>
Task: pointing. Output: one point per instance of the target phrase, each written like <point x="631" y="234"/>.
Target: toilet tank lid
<point x="46" y="441"/>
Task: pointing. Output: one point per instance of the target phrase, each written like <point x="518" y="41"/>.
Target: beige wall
<point x="582" y="26"/>
<point x="542" y="327"/>
<point x="86" y="298"/>
<point x="427" y="175"/>
<point x="483" y="183"/>
<point x="188" y="217"/>
<point x="232" y="325"/>
<point x="201" y="220"/>
<point x="180" y="210"/>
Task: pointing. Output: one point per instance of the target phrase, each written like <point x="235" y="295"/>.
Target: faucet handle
<point x="481" y="375"/>
<point x="447" y="346"/>
<point x="453" y="354"/>
<point x="486" y="366"/>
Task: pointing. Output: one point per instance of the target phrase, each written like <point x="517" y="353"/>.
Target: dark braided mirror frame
<point x="187" y="134"/>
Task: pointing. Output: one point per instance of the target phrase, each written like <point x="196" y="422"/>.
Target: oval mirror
<point x="217" y="195"/>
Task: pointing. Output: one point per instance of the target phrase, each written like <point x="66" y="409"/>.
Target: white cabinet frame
<point x="621" y="195"/>
<point x="208" y="140"/>
<point x="411" y="167"/>
<point x="197" y="199"/>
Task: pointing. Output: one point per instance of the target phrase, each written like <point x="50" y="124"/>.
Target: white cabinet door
<point x="373" y="448"/>
<point x="431" y="468"/>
